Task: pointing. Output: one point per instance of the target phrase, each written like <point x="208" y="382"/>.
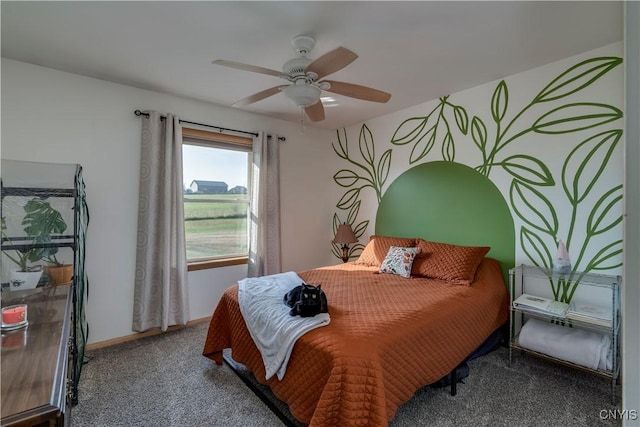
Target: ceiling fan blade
<point x="357" y="91"/>
<point x="315" y="112"/>
<point x="246" y="67"/>
<point x="331" y="62"/>
<point x="258" y="96"/>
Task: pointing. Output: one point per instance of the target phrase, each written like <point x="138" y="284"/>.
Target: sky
<point x="212" y="164"/>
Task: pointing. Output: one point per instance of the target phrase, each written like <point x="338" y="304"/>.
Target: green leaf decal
<point x="338" y="152"/>
<point x="353" y="212"/>
<point x="343" y="149"/>
<point x="423" y="146"/>
<point x="349" y="198"/>
<point x="534" y="247"/>
<point x="335" y="251"/>
<point x="586" y="162"/>
<point x="355" y="250"/>
<point x="384" y="164"/>
<point x="462" y="119"/>
<point x="577" y="77"/>
<point x="575" y="117"/>
<point x="367" y="147"/>
<point x="479" y="133"/>
<point x="528" y="169"/>
<point x="359" y="229"/>
<point x="336" y="223"/>
<point x="448" y="148"/>
<point x="604" y="258"/>
<point x="606" y="213"/>
<point x="499" y="101"/>
<point x="345" y="177"/>
<point x="533" y="208"/>
<point x="409" y="130"/>
<point x="560" y="108"/>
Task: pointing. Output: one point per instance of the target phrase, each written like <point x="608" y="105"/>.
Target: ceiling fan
<point x="304" y="76"/>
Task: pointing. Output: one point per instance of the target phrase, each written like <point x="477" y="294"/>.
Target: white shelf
<point x="524" y="278"/>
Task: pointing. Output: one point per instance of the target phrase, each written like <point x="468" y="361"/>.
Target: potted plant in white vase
<point x="25" y="276"/>
<point x="41" y="220"/>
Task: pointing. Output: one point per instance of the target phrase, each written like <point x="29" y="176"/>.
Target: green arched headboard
<point x="449" y="202"/>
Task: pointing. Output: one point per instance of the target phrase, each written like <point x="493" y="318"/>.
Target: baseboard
<point x="150" y="332"/>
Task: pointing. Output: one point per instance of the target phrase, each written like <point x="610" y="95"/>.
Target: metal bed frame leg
<point x="454" y="381"/>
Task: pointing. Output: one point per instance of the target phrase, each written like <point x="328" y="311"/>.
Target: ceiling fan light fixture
<point x="305" y="78"/>
<point x="302" y="95"/>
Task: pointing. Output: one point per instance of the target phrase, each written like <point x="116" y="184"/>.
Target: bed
<point x="389" y="335"/>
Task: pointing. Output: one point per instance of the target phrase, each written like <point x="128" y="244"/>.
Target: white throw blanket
<point x="582" y="347"/>
<point x="267" y="317"/>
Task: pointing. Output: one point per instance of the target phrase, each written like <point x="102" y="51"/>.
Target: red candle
<point x="15" y="339"/>
<point x="14" y="314"/>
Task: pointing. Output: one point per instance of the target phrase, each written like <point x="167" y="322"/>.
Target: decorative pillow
<point x="399" y="261"/>
<point x="378" y="246"/>
<point x="454" y="263"/>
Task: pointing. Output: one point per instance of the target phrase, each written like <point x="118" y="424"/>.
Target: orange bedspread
<point x="388" y="337"/>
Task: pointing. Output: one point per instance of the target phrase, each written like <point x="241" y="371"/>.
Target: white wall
<point x="53" y="116"/>
<point x="552" y="150"/>
<point x="631" y="289"/>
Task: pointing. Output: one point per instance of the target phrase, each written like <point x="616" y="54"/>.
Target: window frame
<point x="205" y="138"/>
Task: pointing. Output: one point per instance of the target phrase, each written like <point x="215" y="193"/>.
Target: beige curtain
<point x="161" y="293"/>
<point x="264" y="224"/>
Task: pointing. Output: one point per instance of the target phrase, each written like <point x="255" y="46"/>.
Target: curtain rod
<point x="221" y="129"/>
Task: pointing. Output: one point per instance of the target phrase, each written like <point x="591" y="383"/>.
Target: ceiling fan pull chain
<point x="301" y="119"/>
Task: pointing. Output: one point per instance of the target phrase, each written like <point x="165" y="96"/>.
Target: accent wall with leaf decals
<point x="550" y="139"/>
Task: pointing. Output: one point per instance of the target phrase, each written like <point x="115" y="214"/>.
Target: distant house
<point x="238" y="189"/>
<point x="208" y="187"/>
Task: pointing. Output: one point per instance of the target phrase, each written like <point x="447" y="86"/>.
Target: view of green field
<point x="215" y="225"/>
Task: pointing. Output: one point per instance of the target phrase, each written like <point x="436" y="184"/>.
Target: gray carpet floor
<point x="165" y="381"/>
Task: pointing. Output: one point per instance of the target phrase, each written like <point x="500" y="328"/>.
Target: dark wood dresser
<point x="36" y="359"/>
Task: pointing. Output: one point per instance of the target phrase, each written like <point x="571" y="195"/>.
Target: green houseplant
<point x="40" y="222"/>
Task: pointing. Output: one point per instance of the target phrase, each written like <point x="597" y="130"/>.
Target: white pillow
<point x="399" y="261"/>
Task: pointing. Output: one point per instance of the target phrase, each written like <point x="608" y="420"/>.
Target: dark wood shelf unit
<point x="36" y="379"/>
<point x="73" y="187"/>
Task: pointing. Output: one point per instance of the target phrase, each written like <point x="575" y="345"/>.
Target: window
<point x="216" y="197"/>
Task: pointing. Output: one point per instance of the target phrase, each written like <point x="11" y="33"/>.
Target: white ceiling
<point x="417" y="51"/>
